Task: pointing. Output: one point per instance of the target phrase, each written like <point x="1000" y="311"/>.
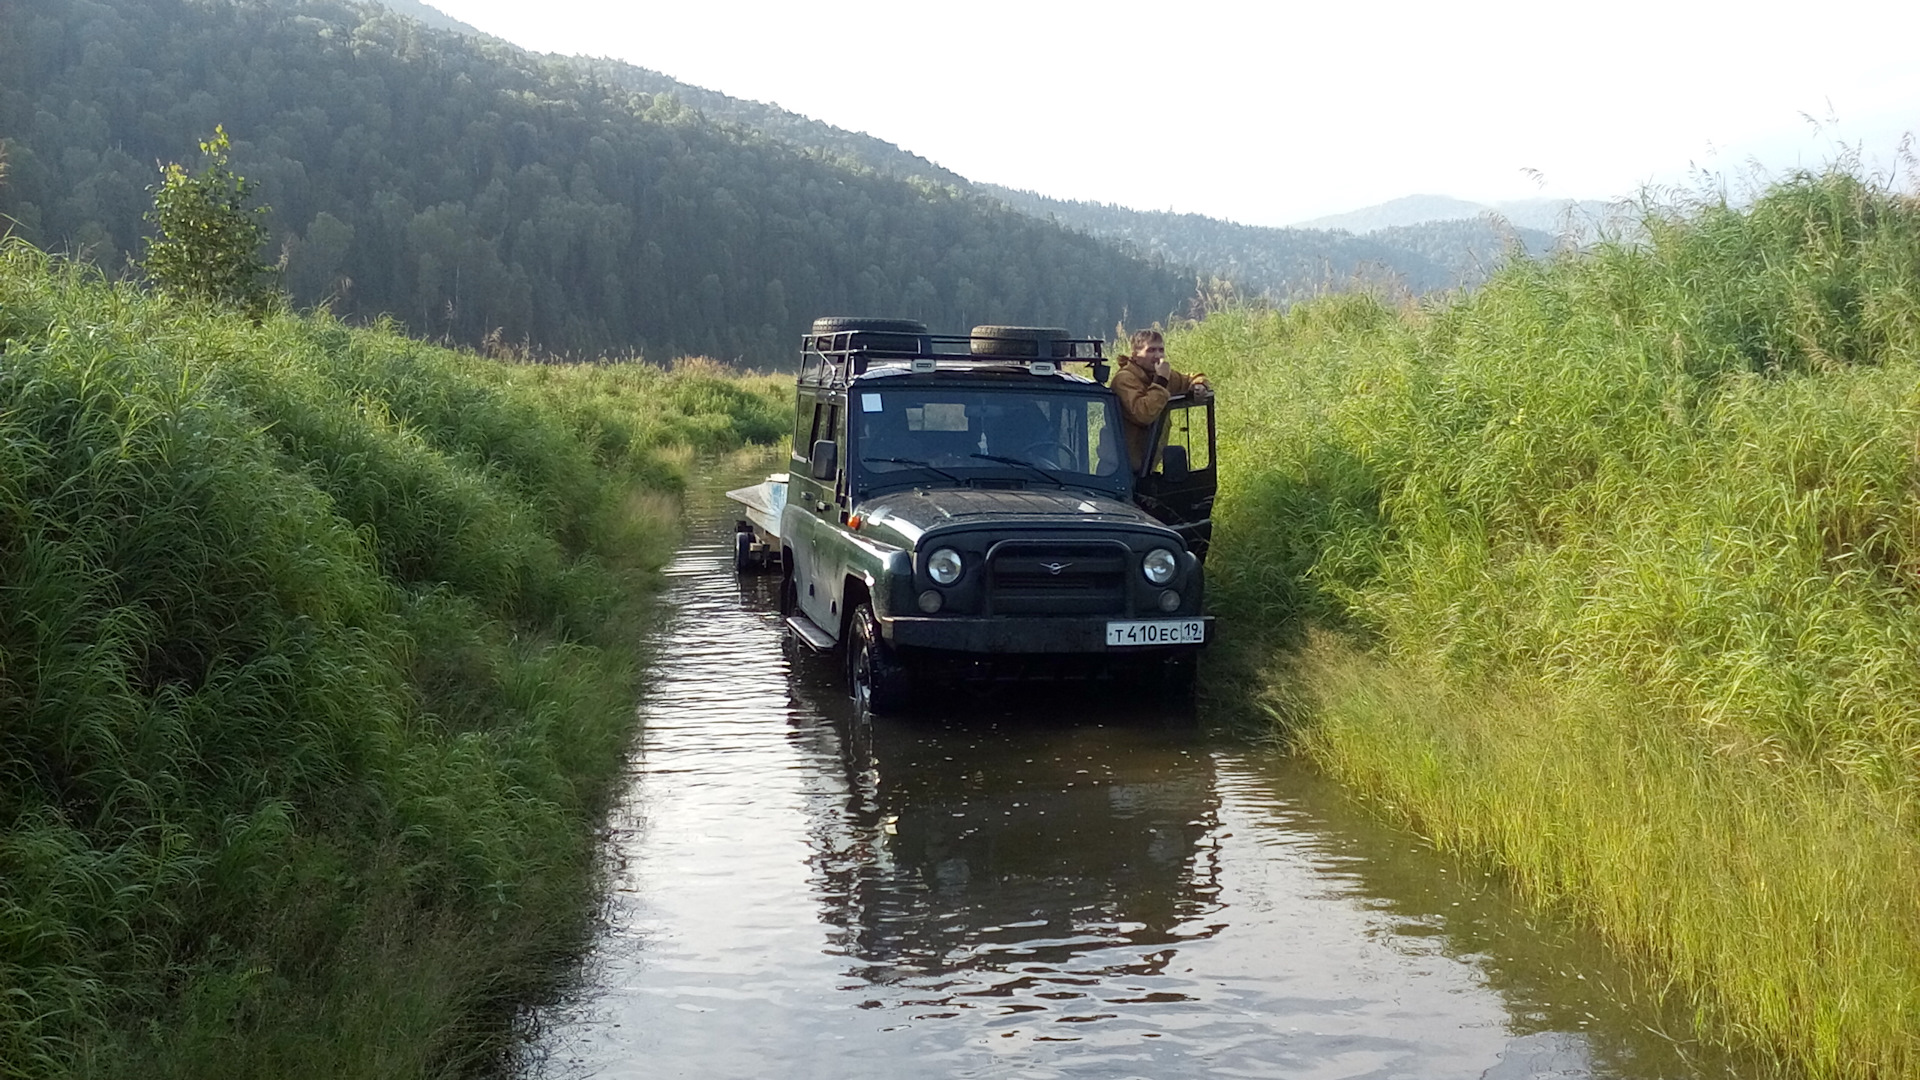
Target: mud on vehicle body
<point x="962" y="508"/>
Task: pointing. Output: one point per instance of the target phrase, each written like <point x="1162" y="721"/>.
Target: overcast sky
<point x="1271" y="113"/>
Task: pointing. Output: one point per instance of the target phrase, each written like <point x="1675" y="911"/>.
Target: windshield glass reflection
<point x="901" y="435"/>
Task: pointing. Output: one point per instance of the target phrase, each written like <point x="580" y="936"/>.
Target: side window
<point x="1186" y="427"/>
<point x="1104" y="445"/>
<point x="821" y="429"/>
<point x="830" y="429"/>
<point x="805" y="419"/>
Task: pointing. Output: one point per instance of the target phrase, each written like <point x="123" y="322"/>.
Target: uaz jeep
<point x="963" y="508"/>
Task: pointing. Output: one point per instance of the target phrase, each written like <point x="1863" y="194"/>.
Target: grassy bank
<point x="316" y="667"/>
<point x="1607" y="574"/>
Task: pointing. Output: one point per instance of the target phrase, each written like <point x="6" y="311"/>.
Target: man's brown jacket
<point x="1143" y="397"/>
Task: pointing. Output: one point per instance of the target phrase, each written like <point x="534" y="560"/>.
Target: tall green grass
<point x="316" y="669"/>
<point x="1609" y="573"/>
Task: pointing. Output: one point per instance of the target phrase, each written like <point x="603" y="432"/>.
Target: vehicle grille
<point x="1057" y="578"/>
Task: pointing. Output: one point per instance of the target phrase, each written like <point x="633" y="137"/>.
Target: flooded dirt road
<point x="1074" y="888"/>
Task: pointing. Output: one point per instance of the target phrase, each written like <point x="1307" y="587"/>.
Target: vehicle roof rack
<point x="838" y="350"/>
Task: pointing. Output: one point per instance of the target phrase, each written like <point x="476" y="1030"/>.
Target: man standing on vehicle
<point x="1144" y="383"/>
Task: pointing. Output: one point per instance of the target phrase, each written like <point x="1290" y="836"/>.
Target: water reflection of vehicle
<point x="1015" y="850"/>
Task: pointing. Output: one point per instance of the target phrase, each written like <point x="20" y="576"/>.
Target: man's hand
<point x="1163" y="370"/>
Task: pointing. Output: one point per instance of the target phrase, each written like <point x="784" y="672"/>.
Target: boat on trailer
<point x="756" y="537"/>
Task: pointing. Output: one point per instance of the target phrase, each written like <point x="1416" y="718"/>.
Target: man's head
<point x="1147" y="348"/>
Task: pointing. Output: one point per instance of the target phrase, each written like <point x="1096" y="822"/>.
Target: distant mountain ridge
<point x="1287" y="264"/>
<point x="1552" y="216"/>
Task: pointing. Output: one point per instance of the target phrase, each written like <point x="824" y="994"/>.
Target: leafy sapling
<point x="208" y="239"/>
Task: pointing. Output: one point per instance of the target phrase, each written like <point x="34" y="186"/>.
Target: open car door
<point x="1180" y="478"/>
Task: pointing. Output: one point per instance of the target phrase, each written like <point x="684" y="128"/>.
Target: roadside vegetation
<point x="1608" y="574"/>
<point x="317" y="666"/>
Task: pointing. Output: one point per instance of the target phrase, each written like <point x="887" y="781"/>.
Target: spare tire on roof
<point x="840" y="324"/>
<point x="1022" y="342"/>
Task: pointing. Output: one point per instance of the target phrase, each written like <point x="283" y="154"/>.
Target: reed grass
<point x="316" y="669"/>
<point x="1606" y="574"/>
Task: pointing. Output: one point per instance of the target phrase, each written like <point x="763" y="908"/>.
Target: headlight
<point x="1159" y="566"/>
<point x="944" y="566"/>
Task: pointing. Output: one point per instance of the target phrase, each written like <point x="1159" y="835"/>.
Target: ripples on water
<point x="1071" y="889"/>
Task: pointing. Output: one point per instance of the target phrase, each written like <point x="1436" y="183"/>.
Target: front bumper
<point x="1012" y="635"/>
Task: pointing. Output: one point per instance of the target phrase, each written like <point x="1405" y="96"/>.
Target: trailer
<point x="756" y="537"/>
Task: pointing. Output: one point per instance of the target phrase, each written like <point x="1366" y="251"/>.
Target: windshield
<point x="917" y="435"/>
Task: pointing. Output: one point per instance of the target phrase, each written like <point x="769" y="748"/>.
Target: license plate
<point x="1157" y="632"/>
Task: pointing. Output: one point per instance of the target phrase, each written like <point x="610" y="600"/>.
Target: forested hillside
<point x="470" y="188"/>
<point x="853" y="148"/>
<point x="1279" y="264"/>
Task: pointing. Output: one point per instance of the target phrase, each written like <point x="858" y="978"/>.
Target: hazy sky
<point x="1278" y="112"/>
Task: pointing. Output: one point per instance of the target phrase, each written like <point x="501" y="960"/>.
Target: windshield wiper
<point x="918" y="464"/>
<point x="1044" y="474"/>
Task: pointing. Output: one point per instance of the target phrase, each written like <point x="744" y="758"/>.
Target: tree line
<point x="472" y="190"/>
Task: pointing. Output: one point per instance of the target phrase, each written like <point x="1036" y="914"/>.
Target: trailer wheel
<point x="742" y="552"/>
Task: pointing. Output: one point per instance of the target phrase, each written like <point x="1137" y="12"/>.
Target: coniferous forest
<point x="473" y="190"/>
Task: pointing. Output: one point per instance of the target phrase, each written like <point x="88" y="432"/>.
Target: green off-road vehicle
<point x="962" y="508"/>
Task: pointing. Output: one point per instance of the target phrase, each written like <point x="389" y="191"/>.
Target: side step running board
<point x="809" y="632"/>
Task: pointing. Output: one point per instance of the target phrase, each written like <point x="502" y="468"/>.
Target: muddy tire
<point x="789" y="589"/>
<point x="876" y="679"/>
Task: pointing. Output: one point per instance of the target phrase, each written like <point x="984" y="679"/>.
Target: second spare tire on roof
<point x="875" y="335"/>
<point x="839" y="324"/>
<point x="1021" y="342"/>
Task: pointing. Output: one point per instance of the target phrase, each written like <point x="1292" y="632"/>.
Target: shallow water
<point x="1072" y="887"/>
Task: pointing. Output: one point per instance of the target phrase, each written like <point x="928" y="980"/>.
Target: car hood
<point x="913" y="512"/>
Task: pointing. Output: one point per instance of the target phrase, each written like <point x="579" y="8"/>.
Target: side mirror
<point x="826" y="459"/>
<point x="1173" y="462"/>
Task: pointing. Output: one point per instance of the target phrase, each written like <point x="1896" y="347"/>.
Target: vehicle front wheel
<point x="878" y="681"/>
